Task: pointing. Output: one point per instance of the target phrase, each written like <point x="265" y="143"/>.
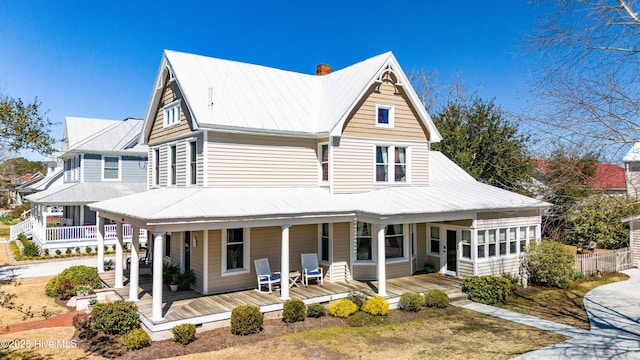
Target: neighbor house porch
<point x="211" y="311"/>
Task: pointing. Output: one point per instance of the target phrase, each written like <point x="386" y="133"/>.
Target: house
<point x="102" y="160"/>
<point x="608" y="178"/>
<point x="250" y="162"/>
<point x="632" y="167"/>
<point x="53" y="178"/>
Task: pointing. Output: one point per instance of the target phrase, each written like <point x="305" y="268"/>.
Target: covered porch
<point x="211" y="311"/>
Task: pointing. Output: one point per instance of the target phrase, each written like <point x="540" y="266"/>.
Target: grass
<point x="60" y="339"/>
<point x="560" y="305"/>
<point x="5" y="230"/>
<point x="453" y="333"/>
<point x="30" y="292"/>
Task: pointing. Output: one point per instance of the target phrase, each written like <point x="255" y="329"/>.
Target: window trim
<point x="246" y="240"/>
<point x="391" y="164"/>
<point x="372" y="249"/>
<point x="170" y="120"/>
<point x="192" y="174"/>
<point x="119" y="167"/>
<point x="431" y="238"/>
<point x="391" y="121"/>
<point x="172" y="179"/>
<point x="167" y="249"/>
<point x="156" y="167"/>
<point x="321" y="180"/>
<point x="330" y="243"/>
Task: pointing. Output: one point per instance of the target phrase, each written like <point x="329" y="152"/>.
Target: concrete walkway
<point x="614" y="314"/>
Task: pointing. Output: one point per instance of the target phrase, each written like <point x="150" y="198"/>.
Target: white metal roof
<point x="77" y="129"/>
<point x="633" y="154"/>
<point x="260" y="99"/>
<point x="452" y="190"/>
<point x="116" y="137"/>
<point x="85" y="193"/>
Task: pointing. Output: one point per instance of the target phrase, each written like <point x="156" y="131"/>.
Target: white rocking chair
<point x="310" y="268"/>
<point x="265" y="276"/>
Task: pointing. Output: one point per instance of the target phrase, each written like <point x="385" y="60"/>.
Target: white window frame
<point x="171" y="114"/>
<point x="119" y="167"/>
<point x="246" y="240"/>
<point x="373" y="250"/>
<point x="321" y="181"/>
<point x="391" y="164"/>
<point x="170" y="179"/>
<point x="155" y="171"/>
<point x="330" y="244"/>
<point x="392" y="111"/>
<point x="430" y="250"/>
<point x="405" y="244"/>
<point x="190" y="173"/>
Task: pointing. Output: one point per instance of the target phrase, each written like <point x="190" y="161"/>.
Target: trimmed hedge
<point x="488" y="289"/>
<point x="294" y="310"/>
<point x="343" y="308"/>
<point x="184" y="333"/>
<point x="376" y="305"/>
<point x="64" y="285"/>
<point x="116" y="318"/>
<point x="136" y="339"/>
<point x="316" y="311"/>
<point x="436" y="298"/>
<point x="246" y="319"/>
<point x="550" y="264"/>
<point x="411" y="301"/>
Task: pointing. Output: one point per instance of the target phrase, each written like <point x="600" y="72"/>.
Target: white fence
<point x="22" y="227"/>
<point x="65" y="234"/>
<point x="610" y="261"/>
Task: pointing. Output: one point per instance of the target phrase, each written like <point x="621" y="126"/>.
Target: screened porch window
<point x="481" y="243"/>
<point x="503" y="241"/>
<point x="363" y="241"/>
<point x="466" y="244"/>
<point x="523" y="239"/>
<point x="394" y="241"/>
<point x="513" y="245"/>
<point x="492" y="243"/>
<point x="235" y="249"/>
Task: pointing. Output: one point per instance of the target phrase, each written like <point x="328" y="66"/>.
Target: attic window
<point x="384" y="115"/>
<point x="171" y="114"/>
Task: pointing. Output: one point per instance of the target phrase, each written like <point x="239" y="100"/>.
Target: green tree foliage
<point x="599" y="218"/>
<point x="24" y="126"/>
<point x="550" y="264"/>
<point x="568" y="178"/>
<point x="478" y="137"/>
<point x="21" y="166"/>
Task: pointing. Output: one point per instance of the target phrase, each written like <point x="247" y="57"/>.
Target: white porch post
<point x="134" y="270"/>
<point x="100" y="236"/>
<point x="156" y="295"/>
<point x="284" y="264"/>
<point x="382" y="273"/>
<point x="119" y="256"/>
<point x="205" y="261"/>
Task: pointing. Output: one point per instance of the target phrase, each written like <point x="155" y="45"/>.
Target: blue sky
<point x="99" y="59"/>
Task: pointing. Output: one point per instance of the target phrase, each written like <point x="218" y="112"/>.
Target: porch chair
<point x="310" y="268"/>
<point x="264" y="275"/>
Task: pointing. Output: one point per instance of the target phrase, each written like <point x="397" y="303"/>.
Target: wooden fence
<point x="615" y="260"/>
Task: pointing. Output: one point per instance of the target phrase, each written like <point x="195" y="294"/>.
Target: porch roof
<point x="451" y="190"/>
<point x="85" y="193"/>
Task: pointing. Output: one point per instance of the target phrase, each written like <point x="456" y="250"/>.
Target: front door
<point x="451" y="251"/>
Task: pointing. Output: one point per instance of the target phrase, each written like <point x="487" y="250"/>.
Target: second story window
<point x="382" y="163"/>
<point x="171" y="114"/>
<point x="384" y="115"/>
<point x="156" y="166"/>
<point x="193" y="164"/>
<point x="324" y="162"/>
<point x="173" y="154"/>
<point x="111" y="168"/>
<point x="391" y="164"/>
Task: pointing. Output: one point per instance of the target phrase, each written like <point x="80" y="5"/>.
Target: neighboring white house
<point x="249" y="162"/>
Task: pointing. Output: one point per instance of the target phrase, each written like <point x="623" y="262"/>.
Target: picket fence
<point x="593" y="263"/>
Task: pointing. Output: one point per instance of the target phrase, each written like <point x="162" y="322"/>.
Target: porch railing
<point x="81" y="233"/>
<point x="22" y="227"/>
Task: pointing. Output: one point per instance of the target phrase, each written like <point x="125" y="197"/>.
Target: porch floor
<point x="182" y="305"/>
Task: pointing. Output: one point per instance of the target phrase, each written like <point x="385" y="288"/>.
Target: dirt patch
<point x="29" y="293"/>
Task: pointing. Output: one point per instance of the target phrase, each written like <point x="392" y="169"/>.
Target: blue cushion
<point x="266" y="278"/>
<point x="314" y="272"/>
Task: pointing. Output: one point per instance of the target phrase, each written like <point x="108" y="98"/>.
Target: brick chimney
<point x="323" y="69"/>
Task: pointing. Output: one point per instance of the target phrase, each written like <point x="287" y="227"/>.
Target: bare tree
<point x="587" y="86"/>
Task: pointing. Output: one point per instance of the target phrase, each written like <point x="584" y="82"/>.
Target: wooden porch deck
<point x="198" y="308"/>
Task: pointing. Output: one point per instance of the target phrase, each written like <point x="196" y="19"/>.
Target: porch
<point x="211" y="311"/>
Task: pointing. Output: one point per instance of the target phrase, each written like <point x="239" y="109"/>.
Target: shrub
<point x="58" y="252"/>
<point x="23" y="239"/>
<point x="293" y="310"/>
<point x="109" y="265"/>
<point x="68" y="251"/>
<point x="31" y="249"/>
<point x="77" y="250"/>
<point x="514" y="279"/>
<point x="411" y="301"/>
<point x="376" y="305"/>
<point x="46" y="252"/>
<point x="88" y="249"/>
<point x="136" y="339"/>
<point x="436" y="298"/>
<point x="82" y="322"/>
<point x="116" y="318"/>
<point x="361" y="318"/>
<point x="63" y="286"/>
<point x="343" y="308"/>
<point x="246" y="319"/>
<point x="358" y="298"/>
<point x="487" y="289"/>
<point x="184" y="333"/>
<point x="316" y="311"/>
<point x="549" y="264"/>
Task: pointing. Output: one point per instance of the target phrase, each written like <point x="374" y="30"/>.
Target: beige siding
<point x="238" y="160"/>
<point x="158" y="133"/>
<point x="635" y="243"/>
<point x="339" y="270"/>
<point x="354" y="164"/>
<point x="421" y="239"/>
<point x="362" y="121"/>
<point x="500" y="219"/>
<point x="175" y="247"/>
<point x="196" y="260"/>
<point x="465" y="268"/>
<point x="499" y="266"/>
<point x="164" y="161"/>
<point x="303" y="240"/>
<point x="364" y="272"/>
<point x="399" y="269"/>
<point x="435" y="261"/>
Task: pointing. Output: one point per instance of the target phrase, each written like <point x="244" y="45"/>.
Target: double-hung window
<point x="400" y="164"/>
<point x="492" y="243"/>
<point x="171" y="114"/>
<point x="173" y="154"/>
<point x="394" y="241"/>
<point x="523" y="239"/>
<point x="434" y="240"/>
<point x="502" y="234"/>
<point x="167" y="245"/>
<point x="466" y="244"/>
<point x="481" y="243"/>
<point x="513" y="245"/>
<point x="382" y="163"/>
<point x="235" y="249"/>
<point x="324" y="162"/>
<point x="193" y="164"/>
<point x="156" y="166"/>
<point x="324" y="242"/>
<point x="111" y="168"/>
<point x="363" y="241"/>
<point x="391" y="157"/>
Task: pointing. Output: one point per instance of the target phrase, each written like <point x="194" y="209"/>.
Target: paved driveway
<point x="614" y="314"/>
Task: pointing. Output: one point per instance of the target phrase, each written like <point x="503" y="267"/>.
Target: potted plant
<point x="168" y="271"/>
<point x="429" y="268"/>
<point x="173" y="284"/>
<point x="184" y="279"/>
<point x="84" y="291"/>
<point x="91" y="304"/>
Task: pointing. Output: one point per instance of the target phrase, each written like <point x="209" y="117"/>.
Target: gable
<point x="362" y="120"/>
<point x="170" y="93"/>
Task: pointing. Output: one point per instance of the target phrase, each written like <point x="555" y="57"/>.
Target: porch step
<point x="458" y="298"/>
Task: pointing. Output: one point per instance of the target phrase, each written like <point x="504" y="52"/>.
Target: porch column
<point x="100" y="236"/>
<point x="134" y="270"/>
<point x="119" y="256"/>
<point x="156" y="294"/>
<point x="382" y="273"/>
<point x="205" y="261"/>
<point x="284" y="264"/>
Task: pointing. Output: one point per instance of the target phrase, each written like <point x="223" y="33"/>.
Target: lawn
<point x="4" y="231"/>
<point x="30" y="292"/>
<point x="560" y="305"/>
